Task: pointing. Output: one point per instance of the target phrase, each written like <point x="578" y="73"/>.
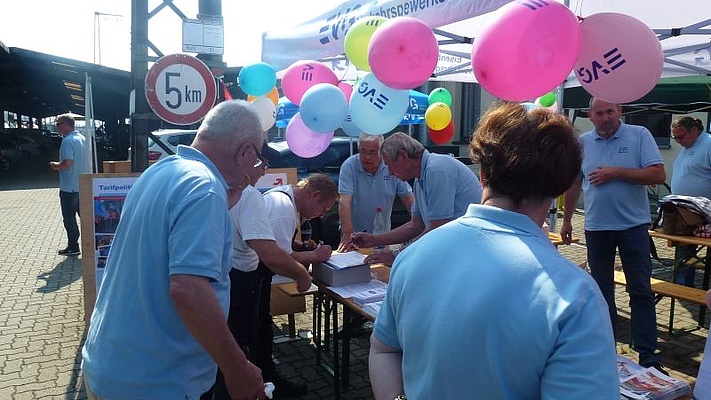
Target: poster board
<point x="101" y="198"/>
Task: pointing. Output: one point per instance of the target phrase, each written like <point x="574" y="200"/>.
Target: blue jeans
<point x="633" y="245"/>
<point x="69" y="203"/>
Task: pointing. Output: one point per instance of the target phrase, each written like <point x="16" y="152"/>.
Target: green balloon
<point x="547" y="99"/>
<point x="440" y="95"/>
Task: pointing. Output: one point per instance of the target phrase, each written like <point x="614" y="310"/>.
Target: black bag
<point x="678" y="220"/>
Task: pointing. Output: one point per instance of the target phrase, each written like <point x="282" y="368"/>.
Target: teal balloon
<point x="547" y="99"/>
<point x="257" y="79"/>
<point x="440" y="95"/>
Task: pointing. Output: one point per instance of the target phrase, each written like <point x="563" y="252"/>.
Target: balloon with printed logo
<point x="526" y="49"/>
<point x="266" y="110"/>
<point x="346" y="88"/>
<point x="301" y="75"/>
<point x="441" y="136"/>
<point x="356" y="41"/>
<point x="303" y="141"/>
<point x="440" y="95"/>
<point x="350" y="128"/>
<point x="273" y="95"/>
<point x="257" y="79"/>
<point x="376" y="108"/>
<point x="323" y="107"/>
<point x="438" y="116"/>
<point x="403" y="53"/>
<point x="620" y="60"/>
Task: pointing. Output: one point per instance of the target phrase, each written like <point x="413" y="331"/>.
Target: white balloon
<point x="266" y="110"/>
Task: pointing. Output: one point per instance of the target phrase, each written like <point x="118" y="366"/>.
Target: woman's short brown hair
<point x="526" y="154"/>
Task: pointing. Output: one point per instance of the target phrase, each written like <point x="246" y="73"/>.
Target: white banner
<point x="322" y="36"/>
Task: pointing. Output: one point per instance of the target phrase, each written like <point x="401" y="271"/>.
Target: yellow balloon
<point x="438" y="115"/>
<point x="273" y="95"/>
<point x="357" y="39"/>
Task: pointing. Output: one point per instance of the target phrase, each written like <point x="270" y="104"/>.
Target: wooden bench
<point x="662" y="288"/>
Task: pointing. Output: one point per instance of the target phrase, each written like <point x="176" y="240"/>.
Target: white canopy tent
<point x="683" y="27"/>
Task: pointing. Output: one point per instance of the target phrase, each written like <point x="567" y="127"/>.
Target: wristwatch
<point x="395" y="253"/>
<point x="400" y="397"/>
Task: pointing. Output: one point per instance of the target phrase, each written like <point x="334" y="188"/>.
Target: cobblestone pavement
<point x="42" y="317"/>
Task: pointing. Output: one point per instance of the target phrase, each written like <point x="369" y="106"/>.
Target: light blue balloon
<point x="375" y="108"/>
<point x="350" y="128"/>
<point x="323" y="107"/>
<point x="257" y="79"/>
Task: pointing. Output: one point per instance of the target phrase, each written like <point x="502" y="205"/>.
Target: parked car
<point x="30" y="148"/>
<point x="171" y="138"/>
<point x="10" y="149"/>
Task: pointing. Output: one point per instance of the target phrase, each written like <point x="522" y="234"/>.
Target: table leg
<point x="336" y="361"/>
<point x="705" y="286"/>
<point x="317" y="323"/>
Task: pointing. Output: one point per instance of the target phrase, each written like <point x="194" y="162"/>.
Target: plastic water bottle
<point x="379" y="226"/>
<point x="552" y="215"/>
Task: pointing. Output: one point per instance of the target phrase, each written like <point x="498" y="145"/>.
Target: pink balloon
<point x="301" y="75"/>
<point x="303" y="141"/>
<point x="346" y="88"/>
<point x="403" y="53"/>
<point x="526" y="50"/>
<point x="620" y="60"/>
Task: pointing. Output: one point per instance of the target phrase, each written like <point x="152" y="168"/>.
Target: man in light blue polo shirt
<point x="619" y="161"/>
<point x="364" y="184"/>
<point x="159" y="328"/>
<point x="72" y="163"/>
<point x="691" y="177"/>
<point x="444" y="188"/>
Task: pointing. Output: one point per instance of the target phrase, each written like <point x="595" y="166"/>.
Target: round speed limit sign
<point x="180" y="89"/>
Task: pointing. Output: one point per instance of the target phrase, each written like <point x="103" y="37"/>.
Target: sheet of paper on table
<point x="348" y="291"/>
<point x="346" y="260"/>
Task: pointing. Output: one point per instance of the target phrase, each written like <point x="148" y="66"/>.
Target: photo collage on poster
<point x="108" y="196"/>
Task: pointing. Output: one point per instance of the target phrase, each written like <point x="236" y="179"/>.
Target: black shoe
<point x="285" y="388"/>
<point x="656" y="366"/>
<point x="68" y="252"/>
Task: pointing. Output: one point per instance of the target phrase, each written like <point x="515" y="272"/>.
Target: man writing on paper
<point x="364" y="184"/>
<point x="285" y="207"/>
<point x="254" y="242"/>
<point x="444" y="188"/>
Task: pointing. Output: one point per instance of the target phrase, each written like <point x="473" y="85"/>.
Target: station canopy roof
<point x="41" y="85"/>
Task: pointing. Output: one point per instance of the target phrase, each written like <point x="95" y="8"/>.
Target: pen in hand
<point x="350" y="240"/>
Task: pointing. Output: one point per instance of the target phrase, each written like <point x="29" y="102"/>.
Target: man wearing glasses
<point x="71" y="164"/>
<point x="159" y="329"/>
<point x="365" y="184"/>
<point x="691" y="176"/>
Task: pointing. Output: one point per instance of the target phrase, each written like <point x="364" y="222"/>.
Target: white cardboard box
<point x="339" y="277"/>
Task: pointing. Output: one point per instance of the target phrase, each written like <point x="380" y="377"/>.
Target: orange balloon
<point x="273" y="95"/>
